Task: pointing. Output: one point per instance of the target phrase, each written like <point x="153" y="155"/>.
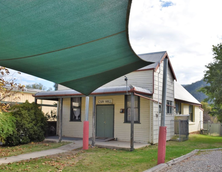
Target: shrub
<point x="30" y="124"/>
<point x="7" y="126"/>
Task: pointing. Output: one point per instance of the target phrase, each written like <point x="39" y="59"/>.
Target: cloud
<point x="26" y="79"/>
<point x="166" y="3"/>
<point x="186" y="29"/>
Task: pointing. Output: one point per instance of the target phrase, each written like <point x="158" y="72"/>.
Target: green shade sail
<point x="81" y="44"/>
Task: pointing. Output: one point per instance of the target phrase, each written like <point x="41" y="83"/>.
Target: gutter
<point x="152" y="100"/>
<point x="183" y="101"/>
<point x="92" y="94"/>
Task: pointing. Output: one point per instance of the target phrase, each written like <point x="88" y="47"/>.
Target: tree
<point x="38" y="86"/>
<point x="55" y="86"/>
<point x="213" y="77"/>
<point x="7" y="126"/>
<point x="30" y="124"/>
<point x="207" y="113"/>
<point x="8" y="87"/>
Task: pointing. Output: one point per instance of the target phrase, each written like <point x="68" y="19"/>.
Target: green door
<point x="105" y="121"/>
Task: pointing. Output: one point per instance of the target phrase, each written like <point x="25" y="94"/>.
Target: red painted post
<point x="162" y="145"/>
<point x="162" y="128"/>
<point x="85" y="135"/>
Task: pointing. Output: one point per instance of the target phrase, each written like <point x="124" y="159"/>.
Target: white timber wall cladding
<point x="142" y="79"/>
<point x="21" y="97"/>
<point x="169" y="96"/>
<point x="121" y="129"/>
<point x="142" y="130"/>
<point x="195" y="126"/>
<point x="61" y="87"/>
<point x="48" y="109"/>
<point x="185" y="109"/>
<point x="71" y="128"/>
<point x="28" y="96"/>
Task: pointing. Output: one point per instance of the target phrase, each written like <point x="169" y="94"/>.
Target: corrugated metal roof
<point x="24" y="90"/>
<point x="155" y="57"/>
<point x="101" y="90"/>
<point x="180" y="93"/>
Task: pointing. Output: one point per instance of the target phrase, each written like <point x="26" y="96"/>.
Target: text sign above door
<point x="105" y="101"/>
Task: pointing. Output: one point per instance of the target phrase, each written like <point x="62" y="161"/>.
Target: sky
<point x="186" y="29"/>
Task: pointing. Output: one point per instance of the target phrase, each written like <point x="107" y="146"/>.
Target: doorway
<point x="105" y="121"/>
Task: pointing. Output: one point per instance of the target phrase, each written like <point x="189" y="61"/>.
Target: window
<point x="128" y="109"/>
<point x="169" y="106"/>
<point x="191" y="113"/>
<point x="178" y="107"/>
<point x="160" y="108"/>
<point x="75" y="114"/>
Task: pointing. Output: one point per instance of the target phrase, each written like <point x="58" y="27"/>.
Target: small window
<point x="178" y="107"/>
<point x="128" y="109"/>
<point x="160" y="108"/>
<point x="169" y="107"/>
<point x="191" y="113"/>
<point x="75" y="109"/>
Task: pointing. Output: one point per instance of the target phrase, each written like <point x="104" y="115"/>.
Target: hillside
<point x="193" y="89"/>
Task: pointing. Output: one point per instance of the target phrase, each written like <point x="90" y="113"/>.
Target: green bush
<point x="7" y="126"/>
<point x="30" y="124"/>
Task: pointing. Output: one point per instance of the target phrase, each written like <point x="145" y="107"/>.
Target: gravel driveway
<point x="203" y="161"/>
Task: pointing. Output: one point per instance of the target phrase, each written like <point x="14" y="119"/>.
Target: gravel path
<point x="203" y="161"/>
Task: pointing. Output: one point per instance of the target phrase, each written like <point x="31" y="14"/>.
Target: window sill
<point x="75" y="121"/>
<point x="130" y="122"/>
<point x="191" y="123"/>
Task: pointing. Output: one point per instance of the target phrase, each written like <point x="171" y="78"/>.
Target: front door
<point x="105" y="121"/>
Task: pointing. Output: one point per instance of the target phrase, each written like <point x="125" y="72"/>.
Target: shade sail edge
<point x="112" y="18"/>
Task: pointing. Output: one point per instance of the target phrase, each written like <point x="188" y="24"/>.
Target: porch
<point x="100" y="142"/>
<point x="105" y="118"/>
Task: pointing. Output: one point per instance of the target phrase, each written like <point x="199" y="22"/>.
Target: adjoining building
<point x="186" y="104"/>
<point x="19" y="96"/>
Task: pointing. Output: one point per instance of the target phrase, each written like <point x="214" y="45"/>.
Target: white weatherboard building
<point x="19" y="96"/>
<point x="113" y="104"/>
<point x="186" y="104"/>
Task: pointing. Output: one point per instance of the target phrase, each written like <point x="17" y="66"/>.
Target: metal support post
<point x="86" y="126"/>
<point x="162" y="129"/>
<point x="132" y="123"/>
<point x="60" y="119"/>
<point x="94" y="122"/>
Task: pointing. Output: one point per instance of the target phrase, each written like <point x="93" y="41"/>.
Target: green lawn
<point x="101" y="159"/>
<point x="27" y="148"/>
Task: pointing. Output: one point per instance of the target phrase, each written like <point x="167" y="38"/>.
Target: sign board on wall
<point x="105" y="101"/>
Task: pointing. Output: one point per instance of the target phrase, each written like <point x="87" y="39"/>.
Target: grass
<point x="101" y="159"/>
<point x="27" y="148"/>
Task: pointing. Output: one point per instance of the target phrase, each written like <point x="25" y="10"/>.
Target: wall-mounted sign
<point x="105" y="101"/>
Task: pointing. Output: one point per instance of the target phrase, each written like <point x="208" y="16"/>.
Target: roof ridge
<point x="152" y="53"/>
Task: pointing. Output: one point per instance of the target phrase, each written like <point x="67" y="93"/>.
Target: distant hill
<point x="193" y="89"/>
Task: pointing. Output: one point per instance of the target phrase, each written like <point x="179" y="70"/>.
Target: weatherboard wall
<point x="121" y="129"/>
<point x="61" y="87"/>
<point x="148" y="130"/>
<point x="169" y="119"/>
<point x="142" y="79"/>
<point x="21" y="97"/>
<point x="197" y="123"/>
